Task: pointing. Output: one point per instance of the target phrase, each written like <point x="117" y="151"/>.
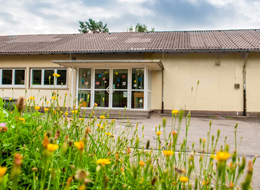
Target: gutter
<point x="244" y="86"/>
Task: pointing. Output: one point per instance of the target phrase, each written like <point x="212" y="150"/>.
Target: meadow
<point x="52" y="147"/>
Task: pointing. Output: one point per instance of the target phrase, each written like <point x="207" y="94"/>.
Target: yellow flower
<point x="56" y="75"/>
<point x="54" y="97"/>
<point x="81" y="119"/>
<point x="108" y="134"/>
<point x="52" y="147"/>
<point x="79" y="145"/>
<point x="184" y="179"/>
<point x="21" y="119"/>
<point x="102" y="117"/>
<point x="167" y="153"/>
<point x="95" y="105"/>
<point x="10" y="98"/>
<point x="98" y="125"/>
<point x="175" y="111"/>
<point x="141" y="163"/>
<point x="46" y="109"/>
<point x="47" y="102"/>
<point x="31" y="98"/>
<point x="221" y="156"/>
<point x="103" y="161"/>
<point x="102" y="127"/>
<point x="54" y="111"/>
<point x="74" y="111"/>
<point x="61" y="112"/>
<point x="66" y="113"/>
<point x="37" y="108"/>
<point x="158" y="133"/>
<point x="65" y="94"/>
<point x="2" y="171"/>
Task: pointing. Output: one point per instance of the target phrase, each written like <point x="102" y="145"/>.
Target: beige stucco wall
<point x="182" y="71"/>
<point x="215" y="91"/>
<point x="253" y="82"/>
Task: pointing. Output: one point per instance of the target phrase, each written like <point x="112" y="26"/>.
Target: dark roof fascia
<point x="144" y="51"/>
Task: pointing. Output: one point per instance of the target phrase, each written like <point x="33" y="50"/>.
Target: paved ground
<point x="248" y="129"/>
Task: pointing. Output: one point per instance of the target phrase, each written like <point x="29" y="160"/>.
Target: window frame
<point x="42" y="85"/>
<point x="13" y="78"/>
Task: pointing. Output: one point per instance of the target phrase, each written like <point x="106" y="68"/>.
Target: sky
<point x="63" y="16"/>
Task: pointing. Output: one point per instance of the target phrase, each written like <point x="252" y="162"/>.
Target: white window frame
<point x="13" y="78"/>
<point x="42" y="85"/>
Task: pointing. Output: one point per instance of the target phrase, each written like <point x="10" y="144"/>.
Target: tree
<point x="140" y="28"/>
<point x="93" y="26"/>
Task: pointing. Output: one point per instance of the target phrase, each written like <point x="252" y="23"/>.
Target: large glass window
<point x="85" y="96"/>
<point x="12" y="77"/>
<point x="101" y="78"/>
<point x="137" y="101"/>
<point x="44" y="77"/>
<point x="85" y="78"/>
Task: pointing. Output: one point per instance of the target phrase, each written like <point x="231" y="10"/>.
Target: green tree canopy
<point x="140" y="28"/>
<point x="92" y="26"/>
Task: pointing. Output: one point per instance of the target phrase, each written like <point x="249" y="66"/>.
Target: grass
<point x="53" y="151"/>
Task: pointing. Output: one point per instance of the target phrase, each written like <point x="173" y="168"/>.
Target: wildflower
<point x="54" y="97"/>
<point x="81" y="174"/>
<point x="18" y="159"/>
<point x="103" y="161"/>
<point x="221" y="156"/>
<point x="175" y="111"/>
<point x="37" y="108"/>
<point x="158" y="133"/>
<point x="34" y="169"/>
<point x="167" y="153"/>
<point x="31" y="98"/>
<point x="95" y="105"/>
<point x="2" y="124"/>
<point x="74" y="111"/>
<point x="108" y="134"/>
<point x="56" y="75"/>
<point x="47" y="102"/>
<point x="183" y="179"/>
<point x="52" y="147"/>
<point x="21" y="119"/>
<point x="4" y="129"/>
<point x="81" y="119"/>
<point x="46" y="109"/>
<point x="66" y="113"/>
<point x="231" y="185"/>
<point x="10" y="99"/>
<point x="102" y="117"/>
<point x="2" y="171"/>
<point x="45" y="141"/>
<point x="174" y="133"/>
<point x="141" y="163"/>
<point x="54" y="111"/>
<point x="102" y="127"/>
<point x="122" y="169"/>
<point x="79" y="145"/>
<point x="98" y="125"/>
<point x="66" y="94"/>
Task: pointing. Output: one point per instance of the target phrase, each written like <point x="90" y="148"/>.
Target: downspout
<point x="163" y="84"/>
<point x="244" y="85"/>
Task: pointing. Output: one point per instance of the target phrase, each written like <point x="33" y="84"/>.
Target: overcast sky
<point x="63" y="16"/>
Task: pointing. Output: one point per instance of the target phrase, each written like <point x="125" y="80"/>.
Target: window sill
<point x="48" y="88"/>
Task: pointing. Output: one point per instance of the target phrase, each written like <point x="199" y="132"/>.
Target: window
<point x="45" y="78"/>
<point x="137" y="88"/>
<point x="12" y="77"/>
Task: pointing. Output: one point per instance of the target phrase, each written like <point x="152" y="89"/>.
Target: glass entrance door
<point x="120" y="88"/>
<point x="101" y="87"/>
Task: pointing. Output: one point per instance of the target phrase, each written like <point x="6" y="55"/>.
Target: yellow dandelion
<point x="102" y="117"/>
<point x="79" y="145"/>
<point x="31" y="98"/>
<point x="221" y="156"/>
<point x="10" y="99"/>
<point x="61" y="112"/>
<point x="103" y="161"/>
<point x="175" y="111"/>
<point x="2" y="171"/>
<point x="54" y="97"/>
<point x="141" y="163"/>
<point x="98" y="125"/>
<point x="37" y="108"/>
<point x="95" y="105"/>
<point x="21" y="119"/>
<point x="184" y="179"/>
<point x="56" y="75"/>
<point x="108" y="134"/>
<point x="54" y="111"/>
<point x="74" y="111"/>
<point x="52" y="147"/>
<point x="66" y="113"/>
<point x="102" y="127"/>
<point x="81" y="119"/>
<point x="158" y="133"/>
<point x="167" y="153"/>
<point x="46" y="109"/>
<point x="66" y="94"/>
<point x="47" y="102"/>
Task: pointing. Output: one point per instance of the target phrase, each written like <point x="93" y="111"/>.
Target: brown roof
<point x="216" y="40"/>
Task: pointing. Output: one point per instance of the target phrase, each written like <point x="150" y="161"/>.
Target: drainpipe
<point x="72" y="85"/>
<point x="244" y="85"/>
<point x="162" y="90"/>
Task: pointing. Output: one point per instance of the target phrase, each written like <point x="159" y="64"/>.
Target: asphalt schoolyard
<point x="248" y="134"/>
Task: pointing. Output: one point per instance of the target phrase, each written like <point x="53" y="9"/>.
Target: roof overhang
<point x="152" y="64"/>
